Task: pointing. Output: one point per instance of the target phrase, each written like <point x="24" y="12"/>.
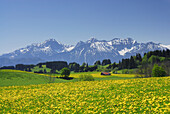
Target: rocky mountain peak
<point x="88" y="51"/>
<point x="91" y="40"/>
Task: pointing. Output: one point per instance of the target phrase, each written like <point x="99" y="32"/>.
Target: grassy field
<point x="98" y="75"/>
<point x="142" y="95"/>
<point x="17" y="78"/>
<point x="14" y="77"/>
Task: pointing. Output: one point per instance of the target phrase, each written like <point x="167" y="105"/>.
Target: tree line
<point x="144" y="65"/>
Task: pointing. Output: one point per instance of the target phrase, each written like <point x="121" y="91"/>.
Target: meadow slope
<point x="144" y="95"/>
<point x="19" y="78"/>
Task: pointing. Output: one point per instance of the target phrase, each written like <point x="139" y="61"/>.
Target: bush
<point x="40" y="71"/>
<point x="106" y="70"/>
<point x="98" y="70"/>
<point x="86" y="77"/>
<point x="125" y="71"/>
<point x="139" y="73"/>
<point x="65" y="72"/>
<point x="114" y="71"/>
<point x="158" y="71"/>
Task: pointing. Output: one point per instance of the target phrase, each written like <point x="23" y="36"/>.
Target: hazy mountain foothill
<point x="141" y="66"/>
<point x="89" y="51"/>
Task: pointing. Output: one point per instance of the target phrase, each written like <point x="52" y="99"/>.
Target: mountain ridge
<point x="84" y="51"/>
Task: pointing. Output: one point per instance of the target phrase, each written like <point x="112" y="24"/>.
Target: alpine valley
<point x="89" y="51"/>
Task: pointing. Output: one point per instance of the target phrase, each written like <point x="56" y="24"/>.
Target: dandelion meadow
<point x="142" y="95"/>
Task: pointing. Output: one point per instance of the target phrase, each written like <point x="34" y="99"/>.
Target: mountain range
<point x="88" y="51"/>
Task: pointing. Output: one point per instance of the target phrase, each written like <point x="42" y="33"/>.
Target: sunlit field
<point x="124" y="75"/>
<point x="74" y="75"/>
<point x="142" y="95"/>
<point x="98" y="75"/>
<point x="17" y="77"/>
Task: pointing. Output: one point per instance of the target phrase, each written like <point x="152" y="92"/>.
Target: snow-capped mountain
<point x="88" y="51"/>
<point x="42" y="50"/>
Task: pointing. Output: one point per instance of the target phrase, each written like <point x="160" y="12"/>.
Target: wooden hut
<point x="105" y="73"/>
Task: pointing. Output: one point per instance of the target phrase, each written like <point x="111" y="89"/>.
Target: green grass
<point x="124" y="70"/>
<point x="114" y="78"/>
<point x="18" y="78"/>
<point x="101" y="67"/>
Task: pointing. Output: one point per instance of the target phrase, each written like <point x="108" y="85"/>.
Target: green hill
<point x="14" y="77"/>
<point x="17" y="78"/>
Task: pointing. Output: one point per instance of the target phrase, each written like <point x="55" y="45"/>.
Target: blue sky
<point x="23" y="22"/>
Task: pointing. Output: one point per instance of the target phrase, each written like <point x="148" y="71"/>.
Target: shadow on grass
<point x="66" y="78"/>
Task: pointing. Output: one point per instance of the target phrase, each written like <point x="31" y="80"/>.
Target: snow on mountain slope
<point x="166" y="46"/>
<point x="101" y="46"/>
<point x="88" y="51"/>
<point x="124" y="51"/>
<point x="47" y="48"/>
<point x="68" y="48"/>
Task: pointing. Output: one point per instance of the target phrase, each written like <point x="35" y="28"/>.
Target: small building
<point x="105" y="73"/>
